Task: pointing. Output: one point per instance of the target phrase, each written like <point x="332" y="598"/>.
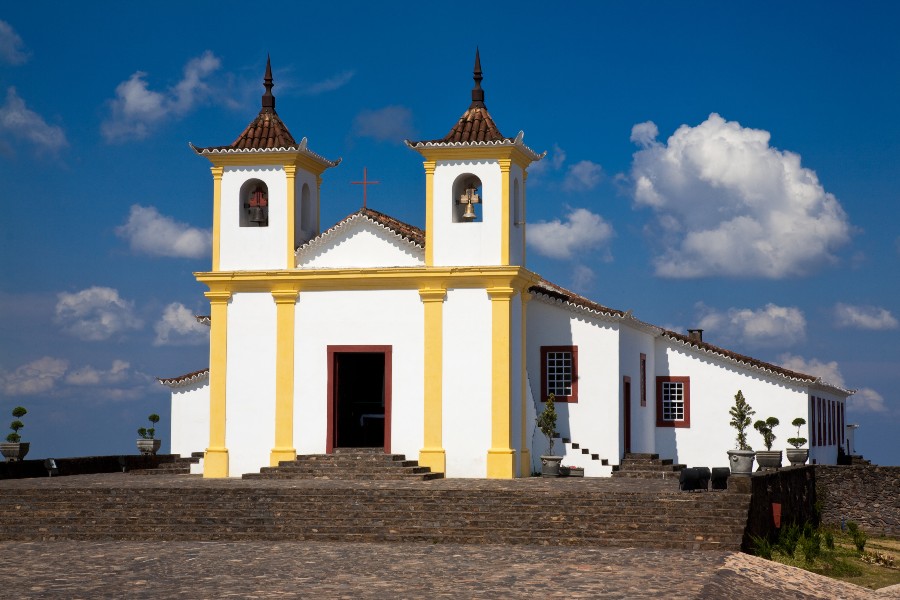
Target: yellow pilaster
<point x="501" y="456"/>
<point x="504" y="210"/>
<point x="524" y="451"/>
<point x="433" y="454"/>
<point x="285" y="307"/>
<point x="215" y="462"/>
<point x="429" y="212"/>
<point x="217" y="214"/>
<point x="290" y="172"/>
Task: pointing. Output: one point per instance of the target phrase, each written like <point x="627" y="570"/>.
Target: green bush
<point x="812" y="546"/>
<point x="546" y="421"/>
<point x="147" y="433"/>
<point x="740" y="420"/>
<point x="829" y="539"/>
<point x="17" y="413"/>
<point x="767" y="429"/>
<point x="762" y="547"/>
<point x="788" y="539"/>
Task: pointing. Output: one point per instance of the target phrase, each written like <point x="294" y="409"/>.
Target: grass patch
<point x="836" y="554"/>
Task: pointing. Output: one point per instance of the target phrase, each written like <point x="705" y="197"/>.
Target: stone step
<point x="651" y="467"/>
<point x="641" y="456"/>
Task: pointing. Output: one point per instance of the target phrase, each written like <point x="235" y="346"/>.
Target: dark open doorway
<point x="359" y="390"/>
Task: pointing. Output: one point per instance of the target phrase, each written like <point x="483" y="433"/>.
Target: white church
<point x="441" y="344"/>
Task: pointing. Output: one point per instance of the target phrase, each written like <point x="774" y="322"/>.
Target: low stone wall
<point x="83" y="465"/>
<point x="794" y="488"/>
<point x="866" y="494"/>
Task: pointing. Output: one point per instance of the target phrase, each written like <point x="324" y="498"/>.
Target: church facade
<point x="440" y="343"/>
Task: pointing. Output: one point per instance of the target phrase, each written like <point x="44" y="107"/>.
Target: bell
<point x="257" y="215"/>
<point x="469" y="215"/>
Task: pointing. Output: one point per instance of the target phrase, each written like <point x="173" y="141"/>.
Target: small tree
<point x="546" y="421"/>
<point x="766" y="429"/>
<point x="740" y="419"/>
<point x="148" y="433"/>
<point x="798" y="441"/>
<point x="17" y="413"/>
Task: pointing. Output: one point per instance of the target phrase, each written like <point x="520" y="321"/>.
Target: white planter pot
<point x="797" y="456"/>
<point x="769" y="460"/>
<point x="741" y="462"/>
<point x="550" y="466"/>
<point x="148" y="447"/>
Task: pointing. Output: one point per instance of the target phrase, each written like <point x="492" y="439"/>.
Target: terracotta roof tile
<point x="554" y="291"/>
<point x="184" y="379"/>
<point x="405" y="230"/>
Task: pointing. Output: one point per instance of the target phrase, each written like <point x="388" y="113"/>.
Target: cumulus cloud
<point x="864" y="400"/>
<point x="12" y="48"/>
<point x="36" y="377"/>
<point x="178" y="327"/>
<point x="95" y="314"/>
<point x="730" y="204"/>
<point x="582" y="176"/>
<point x="552" y="162"/>
<point x="582" y="277"/>
<point x="582" y="230"/>
<point x="137" y="109"/>
<point x="88" y="375"/>
<point x="18" y="121"/>
<point x="149" y="232"/>
<point x="328" y="85"/>
<point x="864" y="317"/>
<point x="391" y="123"/>
<point x="771" y="325"/>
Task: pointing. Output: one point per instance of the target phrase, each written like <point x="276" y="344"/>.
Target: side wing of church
<point x="439" y="344"/>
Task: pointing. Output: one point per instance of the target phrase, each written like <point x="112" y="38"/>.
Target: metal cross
<point x="365" y="183"/>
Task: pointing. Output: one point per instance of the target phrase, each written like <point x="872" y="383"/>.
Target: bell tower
<point x="475" y="190"/>
<point x="265" y="193"/>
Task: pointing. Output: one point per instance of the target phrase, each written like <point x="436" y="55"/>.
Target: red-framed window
<point x="673" y="401"/>
<point x="559" y="373"/>
<point x="643" y="379"/>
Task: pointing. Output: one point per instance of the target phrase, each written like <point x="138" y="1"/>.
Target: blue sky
<point x="731" y="167"/>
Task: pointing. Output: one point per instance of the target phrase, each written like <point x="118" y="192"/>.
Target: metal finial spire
<point x="477" y="92"/>
<point x="268" y="100"/>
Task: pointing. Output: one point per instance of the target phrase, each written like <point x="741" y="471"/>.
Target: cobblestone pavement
<point x="346" y="570"/>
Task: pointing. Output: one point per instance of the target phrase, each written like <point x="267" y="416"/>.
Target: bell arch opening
<point x="254" y="204"/>
<point x="466" y="199"/>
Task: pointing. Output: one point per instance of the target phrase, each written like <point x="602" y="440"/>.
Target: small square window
<point x="559" y="373"/>
<point x="673" y="401"/>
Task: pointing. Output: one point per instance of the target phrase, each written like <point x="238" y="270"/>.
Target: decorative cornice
<point x="184" y="380"/>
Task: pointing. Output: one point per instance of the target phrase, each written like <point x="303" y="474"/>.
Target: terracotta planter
<point x="14" y="451"/>
<point x="741" y="462"/>
<point x="769" y="460"/>
<point x="550" y="466"/>
<point x="148" y="447"/>
<point x="797" y="456"/>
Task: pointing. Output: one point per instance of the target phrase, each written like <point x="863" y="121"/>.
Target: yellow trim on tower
<point x="290" y="173"/>
<point x="504" y="210"/>
<point x="285" y="307"/>
<point x="250" y="159"/>
<point x="215" y="462"/>
<point x="429" y="212"/>
<point x="524" y="451"/>
<point x="217" y="215"/>
<point x="476" y="153"/>
<point x="501" y="457"/>
<point x="432" y="453"/>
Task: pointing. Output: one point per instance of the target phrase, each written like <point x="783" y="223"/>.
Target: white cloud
<point x="729" y="204"/>
<point x="644" y="134"/>
<point x="95" y="314"/>
<point x="36" y="377"/>
<point x="582" y="277"/>
<point x="12" y="48"/>
<point x="583" y="175"/>
<point x="864" y="317"/>
<point x="177" y="327"/>
<point x="136" y="109"/>
<point x="328" y="85"/>
<point x="864" y="400"/>
<point x="581" y="231"/>
<point x="391" y="123"/>
<point x="771" y="325"/>
<point x="149" y="232"/>
<point x="553" y="161"/>
<point x="18" y="121"/>
<point x="88" y="375"/>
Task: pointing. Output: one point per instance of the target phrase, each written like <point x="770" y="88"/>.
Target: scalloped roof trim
<point x="282" y="150"/>
<point x="504" y="142"/>
<point x="323" y="238"/>
<point x="184" y="380"/>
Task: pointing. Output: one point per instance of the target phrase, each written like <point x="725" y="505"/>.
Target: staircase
<point x="577" y="456"/>
<point x="566" y="512"/>
<point x="647" y="466"/>
<point x="349" y="464"/>
<point x="180" y="466"/>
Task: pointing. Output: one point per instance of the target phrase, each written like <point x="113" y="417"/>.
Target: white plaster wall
<point x="633" y="342"/>
<point x="190" y="418"/>
<point x="516" y="232"/>
<point x="303" y="235"/>
<point x="250" y="248"/>
<point x="714" y="383"/>
<point x="467" y="382"/>
<point x="476" y="243"/>
<point x="358" y="318"/>
<point x="594" y="421"/>
<point x="250" y="382"/>
<point x="360" y="244"/>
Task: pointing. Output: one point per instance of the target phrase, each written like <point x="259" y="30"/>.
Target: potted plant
<point x="768" y="458"/>
<point x="148" y="444"/>
<point x="546" y="422"/>
<point x="741" y="458"/>
<point x="15" y="449"/>
<point x="797" y="455"/>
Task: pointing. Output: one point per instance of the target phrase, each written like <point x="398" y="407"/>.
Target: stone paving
<point x="346" y="570"/>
